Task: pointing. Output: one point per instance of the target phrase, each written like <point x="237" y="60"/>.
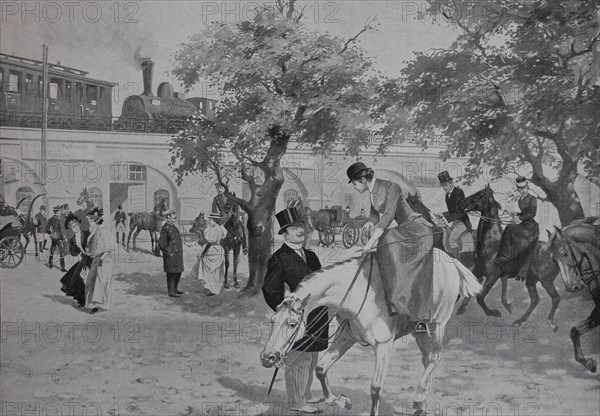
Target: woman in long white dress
<point x="210" y="266"/>
<point x="98" y="287"/>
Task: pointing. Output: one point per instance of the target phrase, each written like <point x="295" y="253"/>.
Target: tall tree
<point x="278" y="82"/>
<point x="518" y="91"/>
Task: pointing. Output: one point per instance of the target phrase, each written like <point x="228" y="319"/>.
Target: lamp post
<point x="44" y="112"/>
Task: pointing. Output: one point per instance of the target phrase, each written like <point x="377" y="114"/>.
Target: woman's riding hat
<point x="287" y="218"/>
<point x="444" y="177"/>
<point x="354" y="170"/>
<point x="71" y="217"/>
<point x="521" y="182"/>
<point x="96" y="214"/>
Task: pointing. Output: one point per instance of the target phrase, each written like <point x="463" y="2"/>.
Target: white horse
<point x="363" y="317"/>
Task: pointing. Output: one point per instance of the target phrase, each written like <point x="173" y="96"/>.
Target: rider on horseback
<point x="223" y="205"/>
<point x="457" y="219"/>
<point x="519" y="239"/>
<point x="405" y="246"/>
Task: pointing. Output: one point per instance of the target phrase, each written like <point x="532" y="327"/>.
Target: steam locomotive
<point x="166" y="104"/>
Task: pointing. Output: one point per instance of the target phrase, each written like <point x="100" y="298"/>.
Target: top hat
<point x="57" y="208"/>
<point x="444" y="177"/>
<point x="354" y="170"/>
<point x="521" y="182"/>
<point x="287" y="218"/>
<point x="65" y="207"/>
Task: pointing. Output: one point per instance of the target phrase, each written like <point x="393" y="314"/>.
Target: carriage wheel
<point x="349" y="235"/>
<point x="12" y="252"/>
<point x="365" y="237"/>
<point x="326" y="236"/>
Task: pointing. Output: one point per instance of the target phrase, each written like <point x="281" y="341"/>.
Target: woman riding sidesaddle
<point x="519" y="240"/>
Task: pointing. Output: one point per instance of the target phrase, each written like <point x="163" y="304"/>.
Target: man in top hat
<point x="404" y="248"/>
<point x="457" y="219"/>
<point x="519" y="239"/>
<point x="41" y="223"/>
<point x="289" y="265"/>
<point x="171" y="246"/>
<point x="120" y="220"/>
<point x="55" y="228"/>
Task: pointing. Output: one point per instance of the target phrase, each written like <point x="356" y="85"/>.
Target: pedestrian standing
<point x="98" y="287"/>
<point x="289" y="265"/>
<point x="120" y="224"/>
<point x="171" y="246"/>
<point x="210" y="266"/>
<point x="41" y="224"/>
<point x="55" y="228"/>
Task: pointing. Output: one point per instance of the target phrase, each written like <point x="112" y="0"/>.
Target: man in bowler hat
<point x="171" y="246"/>
<point x="289" y="265"/>
<point x="455" y="216"/>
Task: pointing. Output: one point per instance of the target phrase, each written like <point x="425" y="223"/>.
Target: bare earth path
<point x="154" y="355"/>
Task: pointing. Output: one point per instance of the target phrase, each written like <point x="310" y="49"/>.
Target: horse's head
<point x="83" y="197"/>
<point x="288" y="325"/>
<point x="566" y="253"/>
<point x="479" y="201"/>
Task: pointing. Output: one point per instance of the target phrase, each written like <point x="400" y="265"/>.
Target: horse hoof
<point x="225" y="286"/>
<point x="553" y="326"/>
<point x="508" y="307"/>
<point x="590" y="365"/>
<point x="461" y="310"/>
<point x="419" y="412"/>
<point x="236" y="285"/>
<point x="343" y="402"/>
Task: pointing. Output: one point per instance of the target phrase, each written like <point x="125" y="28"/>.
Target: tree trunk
<point x="561" y="193"/>
<point x="261" y="212"/>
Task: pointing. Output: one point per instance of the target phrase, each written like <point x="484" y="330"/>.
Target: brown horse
<point x="489" y="232"/>
<point x="576" y="249"/>
<point x="151" y="221"/>
<point x="235" y="240"/>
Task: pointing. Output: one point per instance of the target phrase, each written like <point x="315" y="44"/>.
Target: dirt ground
<point x="197" y="355"/>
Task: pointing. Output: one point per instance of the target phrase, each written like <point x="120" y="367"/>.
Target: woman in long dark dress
<point x="73" y="282"/>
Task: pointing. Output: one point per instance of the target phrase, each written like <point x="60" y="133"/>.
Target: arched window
<point x="290" y="195"/>
<point x="24" y="192"/>
<point x="162" y="194"/>
<point x="95" y="196"/>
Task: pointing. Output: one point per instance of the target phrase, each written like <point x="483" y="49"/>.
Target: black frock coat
<point x="286" y="266"/>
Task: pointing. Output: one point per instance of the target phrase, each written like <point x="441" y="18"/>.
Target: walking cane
<point x="272" y="381"/>
<point x="160" y="281"/>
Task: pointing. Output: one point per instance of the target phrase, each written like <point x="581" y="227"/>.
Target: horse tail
<point x="469" y="286"/>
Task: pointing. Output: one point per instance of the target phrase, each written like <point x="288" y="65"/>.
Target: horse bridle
<point x="287" y="346"/>
<point x="578" y="264"/>
<point x="313" y="339"/>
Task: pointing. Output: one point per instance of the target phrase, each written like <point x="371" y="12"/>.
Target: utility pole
<point x="44" y="112"/>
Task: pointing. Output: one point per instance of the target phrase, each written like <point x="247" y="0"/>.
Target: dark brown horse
<point x="489" y="233"/>
<point x="576" y="249"/>
<point x="151" y="221"/>
<point x="235" y="240"/>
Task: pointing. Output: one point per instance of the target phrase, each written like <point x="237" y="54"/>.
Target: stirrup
<point x="421" y="327"/>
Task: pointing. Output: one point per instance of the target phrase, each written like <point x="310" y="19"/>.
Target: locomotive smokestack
<point x="147" y="72"/>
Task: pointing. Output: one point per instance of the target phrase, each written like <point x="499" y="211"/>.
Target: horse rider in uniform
<point x="458" y="220"/>
<point x="520" y="238"/>
<point x="223" y="205"/>
<point x="289" y="265"/>
<point x="405" y="252"/>
<point x="120" y="220"/>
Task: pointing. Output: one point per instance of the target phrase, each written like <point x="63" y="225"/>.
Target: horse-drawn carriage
<point x="336" y="220"/>
<point x="12" y="250"/>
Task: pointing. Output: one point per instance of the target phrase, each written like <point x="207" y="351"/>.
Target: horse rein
<point x="581" y="274"/>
